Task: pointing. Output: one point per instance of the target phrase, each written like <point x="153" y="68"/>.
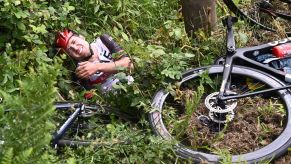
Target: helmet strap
<point x="91" y="54"/>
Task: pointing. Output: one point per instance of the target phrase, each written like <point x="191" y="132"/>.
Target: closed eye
<point x="73" y="42"/>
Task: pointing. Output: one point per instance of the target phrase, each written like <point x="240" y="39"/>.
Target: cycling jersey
<point x="105" y="46"/>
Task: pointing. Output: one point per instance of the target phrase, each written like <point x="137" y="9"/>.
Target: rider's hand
<point x="86" y="69"/>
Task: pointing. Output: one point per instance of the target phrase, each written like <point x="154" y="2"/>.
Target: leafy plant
<point x="25" y="127"/>
<point x="152" y="33"/>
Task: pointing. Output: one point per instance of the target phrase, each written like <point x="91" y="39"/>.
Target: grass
<point x="151" y="31"/>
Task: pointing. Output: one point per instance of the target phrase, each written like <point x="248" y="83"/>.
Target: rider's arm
<point x="111" y="67"/>
<point x="86" y="69"/>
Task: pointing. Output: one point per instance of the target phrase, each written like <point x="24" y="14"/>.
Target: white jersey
<point x="105" y="47"/>
<point x="104" y="56"/>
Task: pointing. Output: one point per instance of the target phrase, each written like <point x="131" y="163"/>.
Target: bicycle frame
<point x="62" y="130"/>
<point x="243" y="55"/>
<point x="231" y="5"/>
<point x="266" y="7"/>
<point x="79" y="109"/>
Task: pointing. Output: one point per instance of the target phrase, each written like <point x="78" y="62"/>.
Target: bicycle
<point x="76" y="125"/>
<point x="219" y="109"/>
<point x="79" y="110"/>
<point x="270" y="15"/>
<point x="80" y="127"/>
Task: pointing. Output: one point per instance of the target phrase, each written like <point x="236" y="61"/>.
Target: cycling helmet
<point x="63" y="38"/>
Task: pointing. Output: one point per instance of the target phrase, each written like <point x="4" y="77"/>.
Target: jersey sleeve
<point x="110" y="43"/>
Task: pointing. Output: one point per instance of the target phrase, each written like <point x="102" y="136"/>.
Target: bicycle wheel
<point x="88" y="127"/>
<point x="248" y="129"/>
<point x="272" y="15"/>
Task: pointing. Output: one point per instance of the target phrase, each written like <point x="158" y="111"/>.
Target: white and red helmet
<point x="63" y="37"/>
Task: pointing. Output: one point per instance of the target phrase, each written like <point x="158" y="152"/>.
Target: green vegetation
<point x="32" y="75"/>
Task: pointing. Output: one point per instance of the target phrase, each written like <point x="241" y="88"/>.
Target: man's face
<point x="78" y="48"/>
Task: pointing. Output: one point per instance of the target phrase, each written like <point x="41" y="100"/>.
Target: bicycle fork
<point x="230" y="43"/>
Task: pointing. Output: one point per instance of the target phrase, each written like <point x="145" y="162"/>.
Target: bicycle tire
<point x="271" y="151"/>
<point x="247" y="11"/>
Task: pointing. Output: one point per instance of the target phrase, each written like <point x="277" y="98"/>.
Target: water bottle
<point x="282" y="51"/>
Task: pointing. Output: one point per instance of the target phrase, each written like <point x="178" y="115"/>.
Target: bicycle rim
<point x="273" y="16"/>
<point x="248" y="137"/>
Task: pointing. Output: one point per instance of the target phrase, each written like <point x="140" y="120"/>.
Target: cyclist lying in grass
<point x="96" y="64"/>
